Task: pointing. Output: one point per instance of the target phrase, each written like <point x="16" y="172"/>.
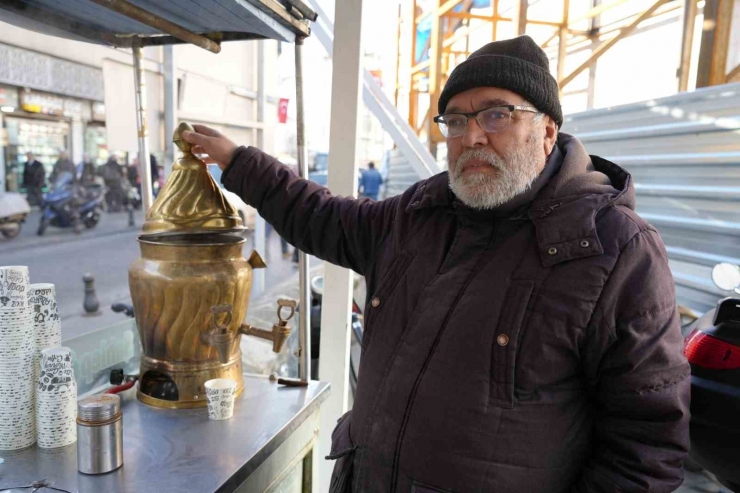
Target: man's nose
<point x="474" y="135"/>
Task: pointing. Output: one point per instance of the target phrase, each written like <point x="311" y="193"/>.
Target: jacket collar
<point x="564" y="212"/>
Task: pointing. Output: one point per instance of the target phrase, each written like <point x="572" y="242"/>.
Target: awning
<point x="157" y="22"/>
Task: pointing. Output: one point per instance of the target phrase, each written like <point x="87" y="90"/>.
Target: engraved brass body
<point x="191" y="265"/>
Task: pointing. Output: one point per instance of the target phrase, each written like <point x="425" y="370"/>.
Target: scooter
<point x="14" y="209"/>
<point x="67" y="200"/>
<point x="712" y="348"/>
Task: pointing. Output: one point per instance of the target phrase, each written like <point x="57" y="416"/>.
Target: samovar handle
<point x="215" y="310"/>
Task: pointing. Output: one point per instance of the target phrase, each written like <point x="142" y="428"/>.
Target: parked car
<point x="246" y="212"/>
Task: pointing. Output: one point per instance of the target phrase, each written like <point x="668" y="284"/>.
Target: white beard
<point x="514" y="176"/>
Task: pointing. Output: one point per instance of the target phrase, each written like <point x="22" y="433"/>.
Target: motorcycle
<point x="69" y="205"/>
<point x="13" y="212"/>
<point x="317" y="291"/>
<point x="712" y="348"/>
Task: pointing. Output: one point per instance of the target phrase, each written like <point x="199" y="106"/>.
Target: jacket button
<point x="585" y="244"/>
<point x="502" y="340"/>
<point x="552" y="251"/>
<point x="375" y="302"/>
<point x="415" y="203"/>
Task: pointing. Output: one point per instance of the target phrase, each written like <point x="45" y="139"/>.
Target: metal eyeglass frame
<point x="439" y="119"/>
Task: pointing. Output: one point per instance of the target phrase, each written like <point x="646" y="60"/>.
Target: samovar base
<point x="180" y="385"/>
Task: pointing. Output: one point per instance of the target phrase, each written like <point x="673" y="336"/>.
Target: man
<point x="87" y="170"/>
<point x="34" y="179"/>
<point x="370" y="181"/>
<point x="521" y="332"/>
<point x="112" y="174"/>
<point x="63" y="165"/>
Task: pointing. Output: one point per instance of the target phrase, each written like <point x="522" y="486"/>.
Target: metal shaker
<point x="99" y="434"/>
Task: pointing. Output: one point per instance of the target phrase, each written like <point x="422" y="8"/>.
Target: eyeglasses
<point x="493" y="119"/>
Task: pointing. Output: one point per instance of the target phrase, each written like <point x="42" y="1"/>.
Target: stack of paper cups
<point x="17" y="352"/>
<point x="46" y="323"/>
<point x="56" y="399"/>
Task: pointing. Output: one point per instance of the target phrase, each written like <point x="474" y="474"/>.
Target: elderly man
<point x="521" y="329"/>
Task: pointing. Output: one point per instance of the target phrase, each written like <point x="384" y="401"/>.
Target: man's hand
<point x="217" y="148"/>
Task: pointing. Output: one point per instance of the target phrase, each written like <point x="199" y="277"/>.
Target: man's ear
<point x="551" y="134"/>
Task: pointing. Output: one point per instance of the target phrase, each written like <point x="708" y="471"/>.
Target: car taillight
<point x="709" y="352"/>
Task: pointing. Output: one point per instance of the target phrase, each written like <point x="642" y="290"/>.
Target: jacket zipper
<point x="414" y="390"/>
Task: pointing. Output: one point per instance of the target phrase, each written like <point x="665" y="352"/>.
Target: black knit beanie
<point x="518" y="65"/>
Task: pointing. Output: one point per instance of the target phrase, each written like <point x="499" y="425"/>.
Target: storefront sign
<point x="73" y="108"/>
<point x="9" y="97"/>
<point x="47" y="104"/>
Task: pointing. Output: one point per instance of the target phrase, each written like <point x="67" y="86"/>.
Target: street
<point x="62" y="258"/>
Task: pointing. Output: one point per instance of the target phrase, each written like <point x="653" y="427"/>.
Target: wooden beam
<point x="606" y="45"/>
<point x="563" y="40"/>
<point x="422" y="66"/>
<point x="687" y="42"/>
<point x="520" y="16"/>
<point x="734" y="75"/>
<point x="598" y="10"/>
<point x="398" y="52"/>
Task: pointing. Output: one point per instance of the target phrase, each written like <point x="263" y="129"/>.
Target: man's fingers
<point x="202" y="129"/>
<point x="198" y="150"/>
<point x="196" y="138"/>
<point x="208" y="160"/>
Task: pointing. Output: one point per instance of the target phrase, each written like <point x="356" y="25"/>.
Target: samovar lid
<point x="191" y="201"/>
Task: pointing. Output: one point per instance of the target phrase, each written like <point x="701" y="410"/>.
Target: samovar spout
<point x="220" y="337"/>
<point x="280" y="331"/>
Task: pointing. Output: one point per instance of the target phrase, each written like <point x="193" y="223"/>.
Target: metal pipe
<point x="152" y="20"/>
<point x="143" y="131"/>
<point x="304" y="322"/>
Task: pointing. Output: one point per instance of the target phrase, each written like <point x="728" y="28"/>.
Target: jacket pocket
<point x="504" y="351"/>
<point x="343" y="452"/>
<point x="381" y="295"/>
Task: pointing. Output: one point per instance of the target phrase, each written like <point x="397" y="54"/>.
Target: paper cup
<point x="14" y="285"/>
<point x="220" y="394"/>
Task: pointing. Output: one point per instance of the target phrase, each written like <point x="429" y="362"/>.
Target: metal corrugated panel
<point x="683" y="152"/>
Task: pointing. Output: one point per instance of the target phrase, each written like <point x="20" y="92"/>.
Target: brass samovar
<point x="191" y="287"/>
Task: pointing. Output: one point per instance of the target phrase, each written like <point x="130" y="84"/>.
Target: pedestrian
<point x="87" y="171"/>
<point x="521" y="331"/>
<point x="112" y="174"/>
<point x="34" y="179"/>
<point x="370" y="181"/>
<point x="63" y="165"/>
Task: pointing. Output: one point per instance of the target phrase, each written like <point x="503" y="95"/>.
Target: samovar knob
<point x="285" y="303"/>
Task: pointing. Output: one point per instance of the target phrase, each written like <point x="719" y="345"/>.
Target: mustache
<point x="485" y="155"/>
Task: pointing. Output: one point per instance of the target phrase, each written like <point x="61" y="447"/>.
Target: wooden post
<point x="520" y="16"/>
<point x="687" y="42"/>
<point x="413" y="93"/>
<point x="715" y="42"/>
<point x="435" y="76"/>
<point x="563" y="41"/>
<point x="494" y="21"/>
<point x="594" y="28"/>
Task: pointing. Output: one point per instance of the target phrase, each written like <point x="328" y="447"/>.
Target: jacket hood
<point x="564" y="212"/>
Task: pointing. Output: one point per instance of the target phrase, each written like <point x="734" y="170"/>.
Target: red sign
<point x="283" y="110"/>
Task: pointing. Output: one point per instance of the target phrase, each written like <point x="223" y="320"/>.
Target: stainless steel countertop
<point x="178" y="451"/>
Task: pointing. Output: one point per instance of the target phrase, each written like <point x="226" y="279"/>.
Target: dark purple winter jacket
<point x="525" y="351"/>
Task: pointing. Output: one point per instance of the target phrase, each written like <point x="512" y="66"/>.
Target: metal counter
<point x="174" y="451"/>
